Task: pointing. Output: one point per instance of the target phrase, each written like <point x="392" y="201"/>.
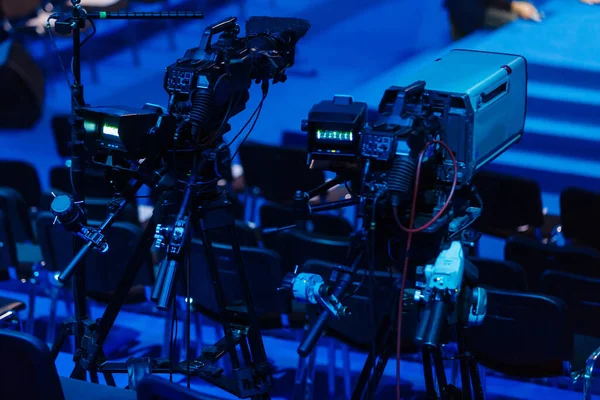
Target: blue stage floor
<point x="141" y="334"/>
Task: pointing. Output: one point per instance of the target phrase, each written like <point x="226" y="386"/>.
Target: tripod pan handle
<point x="70" y="270"/>
<point x="313" y="335"/>
<point x="168" y="285"/>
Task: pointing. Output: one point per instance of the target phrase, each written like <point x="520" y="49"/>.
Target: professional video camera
<point x="180" y="153"/>
<point x="415" y="165"/>
<point x="206" y="87"/>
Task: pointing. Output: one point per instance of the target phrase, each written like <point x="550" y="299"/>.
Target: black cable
<point x="56" y="51"/>
<point x="91" y="34"/>
<point x="356" y="289"/>
<point x="256" y="110"/>
<point x="251" y="128"/>
<point x="372" y="282"/>
<point x="350" y="190"/>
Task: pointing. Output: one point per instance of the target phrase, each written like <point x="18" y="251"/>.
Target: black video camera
<point x="206" y="87"/>
<point x="460" y="113"/>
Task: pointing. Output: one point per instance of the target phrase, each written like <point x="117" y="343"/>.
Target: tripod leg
<point x="331" y="370"/>
<point x="478" y="393"/>
<point x="51" y="328"/>
<point x="464" y="364"/>
<point x="94" y="377"/>
<point x="80" y="300"/>
<point x="440" y="372"/>
<point x="257" y="347"/>
<point x="428" y="372"/>
<point x="110" y="380"/>
<point x="220" y="295"/>
<point x="118" y="299"/>
<point x="58" y="344"/>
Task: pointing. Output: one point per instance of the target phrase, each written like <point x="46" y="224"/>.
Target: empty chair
<point x="265" y="165"/>
<point x="247" y="236"/>
<point x="95" y="182"/>
<point x="580" y="216"/>
<point x="22" y="177"/>
<point x="524" y="335"/>
<point x="277" y="215"/>
<point x="264" y="277"/>
<point x="9" y="308"/>
<point x="537" y="257"/>
<point x="582" y="295"/>
<point x="511" y="204"/>
<point x="296" y="247"/>
<point x="28" y="372"/>
<point x="17" y="214"/>
<point x="499" y="274"/>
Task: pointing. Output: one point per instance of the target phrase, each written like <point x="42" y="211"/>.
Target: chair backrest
<point x="95" y="182"/>
<point x="580" y="216"/>
<point x="582" y="295"/>
<point x="509" y="202"/>
<point x="524" y="335"/>
<point x="23" y="177"/>
<point x="97" y="208"/>
<point x="8" y="248"/>
<point x="537" y="257"/>
<point x="266" y="164"/>
<point x="296" y="247"/>
<point x="356" y="328"/>
<point x="104" y="270"/>
<point x="264" y="277"/>
<point x="247" y="236"/>
<point x="274" y="215"/>
<point x="499" y="274"/>
<point x="17" y="213"/>
<point x="156" y="388"/>
<point x="27" y="370"/>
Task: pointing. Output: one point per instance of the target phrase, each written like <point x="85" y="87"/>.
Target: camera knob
<point x="66" y="211"/>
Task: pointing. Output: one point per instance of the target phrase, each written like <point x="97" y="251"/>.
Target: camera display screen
<point x="110" y="130"/>
<point x="334" y="136"/>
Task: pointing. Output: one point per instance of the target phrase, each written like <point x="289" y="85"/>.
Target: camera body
<point x="206" y="87"/>
<point x="473" y="101"/>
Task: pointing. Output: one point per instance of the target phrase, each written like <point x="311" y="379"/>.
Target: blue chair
<point x="537" y="257"/>
<point x="499" y="274"/>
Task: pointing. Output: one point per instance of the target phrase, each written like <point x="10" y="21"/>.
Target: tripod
<point x="71" y="24"/>
<point x="207" y="212"/>
<point x="432" y="361"/>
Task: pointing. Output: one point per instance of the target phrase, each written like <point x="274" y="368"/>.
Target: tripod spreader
<point x="94" y="238"/>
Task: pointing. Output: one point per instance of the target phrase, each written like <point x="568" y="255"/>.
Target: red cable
<point x="410" y="230"/>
